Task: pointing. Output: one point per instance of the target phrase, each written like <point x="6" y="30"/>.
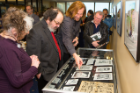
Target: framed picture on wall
<point x="3" y="9"/>
<point x="114" y="16"/>
<point x="119" y="18"/>
<point x="132" y="28"/>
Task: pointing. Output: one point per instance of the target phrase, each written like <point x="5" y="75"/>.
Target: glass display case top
<point x="97" y="71"/>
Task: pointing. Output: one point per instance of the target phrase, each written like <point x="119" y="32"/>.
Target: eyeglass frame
<point x="56" y="22"/>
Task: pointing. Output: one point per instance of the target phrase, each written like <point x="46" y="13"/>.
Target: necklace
<point x="18" y="45"/>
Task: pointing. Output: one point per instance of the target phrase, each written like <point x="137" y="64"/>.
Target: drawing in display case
<point x="70" y="79"/>
<point x="96" y="87"/>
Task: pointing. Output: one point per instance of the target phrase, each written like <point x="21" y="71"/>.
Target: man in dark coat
<point x="41" y="41"/>
<point x="89" y="16"/>
<point x="94" y="27"/>
<point x="29" y="10"/>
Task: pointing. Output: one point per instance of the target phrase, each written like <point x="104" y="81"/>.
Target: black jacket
<point x="89" y="29"/>
<point x="90" y="18"/>
<point x="40" y="42"/>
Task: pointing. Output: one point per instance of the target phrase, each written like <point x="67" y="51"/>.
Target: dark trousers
<point x="34" y="88"/>
<point x="41" y="84"/>
<point x="66" y="56"/>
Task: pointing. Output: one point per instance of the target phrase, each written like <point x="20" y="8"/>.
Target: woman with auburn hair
<point x="74" y="8"/>
<point x="17" y="69"/>
<point x="69" y="31"/>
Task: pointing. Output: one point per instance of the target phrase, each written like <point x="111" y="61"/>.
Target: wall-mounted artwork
<point x="3" y="9"/>
<point x="114" y="16"/>
<point x="132" y="28"/>
<point x="119" y="18"/>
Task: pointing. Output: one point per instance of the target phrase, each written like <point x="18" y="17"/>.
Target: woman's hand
<point x="35" y="61"/>
<point x="38" y="75"/>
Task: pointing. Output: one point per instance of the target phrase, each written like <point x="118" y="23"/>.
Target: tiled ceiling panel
<point x="81" y="0"/>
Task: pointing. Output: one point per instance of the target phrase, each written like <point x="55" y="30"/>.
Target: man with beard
<point x="41" y="41"/>
<point x="69" y="31"/>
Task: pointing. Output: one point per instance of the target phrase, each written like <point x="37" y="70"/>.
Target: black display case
<point x="98" y="66"/>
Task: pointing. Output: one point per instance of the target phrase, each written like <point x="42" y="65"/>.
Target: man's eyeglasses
<point x="57" y="22"/>
<point x="98" y="18"/>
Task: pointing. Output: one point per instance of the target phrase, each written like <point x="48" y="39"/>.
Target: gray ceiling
<point x="81" y="0"/>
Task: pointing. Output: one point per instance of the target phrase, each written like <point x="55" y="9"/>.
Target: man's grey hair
<point x="100" y="13"/>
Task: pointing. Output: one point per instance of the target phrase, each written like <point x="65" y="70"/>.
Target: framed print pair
<point x="119" y="17"/>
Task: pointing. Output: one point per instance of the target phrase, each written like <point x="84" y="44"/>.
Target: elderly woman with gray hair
<point x="16" y="68"/>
